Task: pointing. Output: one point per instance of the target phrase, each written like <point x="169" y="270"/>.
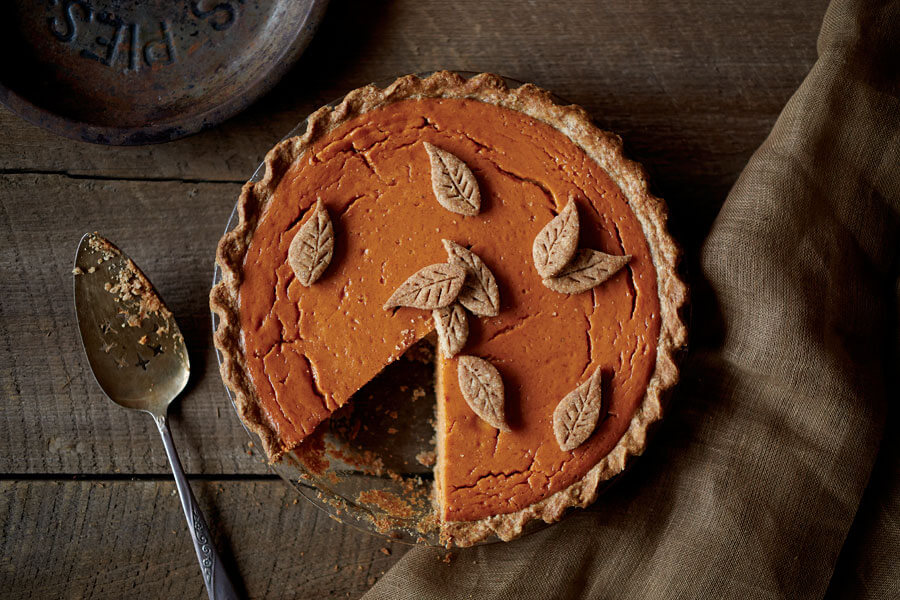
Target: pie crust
<point x="603" y="147"/>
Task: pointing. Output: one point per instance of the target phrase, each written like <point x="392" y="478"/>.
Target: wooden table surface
<point x="87" y="505"/>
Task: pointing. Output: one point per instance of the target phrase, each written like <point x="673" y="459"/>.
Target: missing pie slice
<point x="293" y="354"/>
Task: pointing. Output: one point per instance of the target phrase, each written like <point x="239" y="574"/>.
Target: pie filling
<point x="308" y="349"/>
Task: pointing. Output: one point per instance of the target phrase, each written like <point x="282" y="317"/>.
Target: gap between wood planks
<point x="138" y="477"/>
<point x="116" y="177"/>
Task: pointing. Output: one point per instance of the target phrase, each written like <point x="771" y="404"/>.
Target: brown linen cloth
<point x="753" y="481"/>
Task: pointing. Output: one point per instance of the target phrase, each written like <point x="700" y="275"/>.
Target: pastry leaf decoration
<point x="556" y="243"/>
<point x="434" y="286"/>
<point x="577" y="414"/>
<point x="452" y="328"/>
<point x="588" y="269"/>
<point x="479" y="293"/>
<point x="482" y="388"/>
<point x="312" y="247"/>
<point x="453" y="183"/>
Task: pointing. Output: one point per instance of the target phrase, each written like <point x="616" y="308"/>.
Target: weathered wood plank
<point x="121" y="539"/>
<point x="54" y="417"/>
<point x="692" y="86"/>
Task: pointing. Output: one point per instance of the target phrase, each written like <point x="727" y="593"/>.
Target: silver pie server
<point x="140" y="360"/>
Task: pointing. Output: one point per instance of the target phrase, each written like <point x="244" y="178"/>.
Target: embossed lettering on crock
<point x="103" y="36"/>
<point x="220" y="17"/>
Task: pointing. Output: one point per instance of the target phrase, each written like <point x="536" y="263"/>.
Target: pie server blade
<point x="140" y="360"/>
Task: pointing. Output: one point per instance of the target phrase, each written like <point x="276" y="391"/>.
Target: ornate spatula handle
<point x="218" y="585"/>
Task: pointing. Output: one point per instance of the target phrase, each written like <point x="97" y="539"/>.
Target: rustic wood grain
<point x="128" y="539"/>
<point x="692" y="86"/>
<point x="56" y="419"/>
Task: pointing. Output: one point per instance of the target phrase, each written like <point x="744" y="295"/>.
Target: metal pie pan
<point x="380" y="458"/>
<point x="130" y="72"/>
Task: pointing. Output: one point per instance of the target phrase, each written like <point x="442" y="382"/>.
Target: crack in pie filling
<point x="293" y="354"/>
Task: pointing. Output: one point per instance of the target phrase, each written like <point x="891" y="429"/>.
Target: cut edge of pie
<point x="603" y="147"/>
